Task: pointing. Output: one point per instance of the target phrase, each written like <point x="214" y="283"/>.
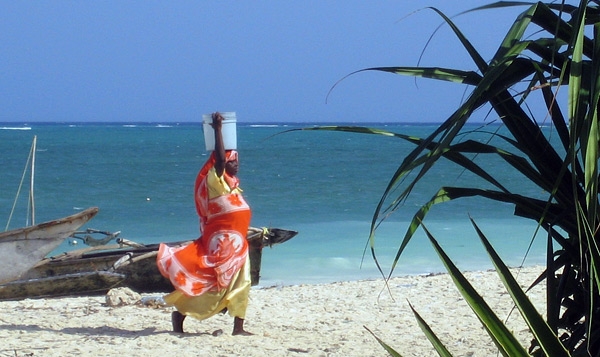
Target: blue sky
<point x="270" y="61"/>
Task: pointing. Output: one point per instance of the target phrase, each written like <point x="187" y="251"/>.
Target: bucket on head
<point x="228" y="131"/>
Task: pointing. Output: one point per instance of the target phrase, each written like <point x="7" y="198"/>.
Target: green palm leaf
<point x="540" y="329"/>
<point x="505" y="341"/>
<point x="385" y="346"/>
<point x="435" y="341"/>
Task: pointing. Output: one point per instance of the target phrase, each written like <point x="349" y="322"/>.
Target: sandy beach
<point x="302" y="320"/>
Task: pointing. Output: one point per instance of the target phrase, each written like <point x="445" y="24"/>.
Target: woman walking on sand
<point x="212" y="274"/>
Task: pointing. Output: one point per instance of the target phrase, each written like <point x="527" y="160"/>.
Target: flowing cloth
<point x="212" y="272"/>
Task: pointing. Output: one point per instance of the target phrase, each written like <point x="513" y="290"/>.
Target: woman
<point x="212" y="274"/>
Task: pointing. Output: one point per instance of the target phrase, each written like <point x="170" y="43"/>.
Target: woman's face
<point x="232" y="167"/>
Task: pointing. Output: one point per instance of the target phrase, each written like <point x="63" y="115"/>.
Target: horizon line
<point x="174" y="123"/>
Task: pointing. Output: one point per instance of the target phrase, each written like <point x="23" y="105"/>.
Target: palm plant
<point x="564" y="51"/>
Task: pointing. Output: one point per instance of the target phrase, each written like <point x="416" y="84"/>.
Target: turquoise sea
<point x="325" y="185"/>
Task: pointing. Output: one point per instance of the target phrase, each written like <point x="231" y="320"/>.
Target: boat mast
<point x="31" y="198"/>
<point x="31" y="203"/>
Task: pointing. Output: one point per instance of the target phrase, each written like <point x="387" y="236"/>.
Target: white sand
<point x="306" y="320"/>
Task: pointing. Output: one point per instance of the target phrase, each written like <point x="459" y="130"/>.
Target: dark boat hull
<point x="94" y="271"/>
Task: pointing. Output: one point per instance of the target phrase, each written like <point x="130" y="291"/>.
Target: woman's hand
<point x="217" y="120"/>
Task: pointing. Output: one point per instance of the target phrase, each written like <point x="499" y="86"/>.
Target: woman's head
<point x="231" y="162"/>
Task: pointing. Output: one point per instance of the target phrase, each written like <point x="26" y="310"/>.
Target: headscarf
<point x="201" y="188"/>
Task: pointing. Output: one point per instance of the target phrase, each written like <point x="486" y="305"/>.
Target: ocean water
<point x="325" y="185"/>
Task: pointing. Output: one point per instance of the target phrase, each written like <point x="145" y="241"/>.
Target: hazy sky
<point x="270" y="61"/>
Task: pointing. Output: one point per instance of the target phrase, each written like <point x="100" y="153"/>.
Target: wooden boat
<point x="97" y="269"/>
<point x="21" y="249"/>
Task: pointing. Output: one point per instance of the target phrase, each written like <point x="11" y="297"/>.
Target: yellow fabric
<point x="234" y="298"/>
<point x="217" y="185"/>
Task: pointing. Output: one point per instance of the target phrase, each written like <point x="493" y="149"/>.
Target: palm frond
<point x="385" y="346"/>
<point x="547" y="339"/>
<point x="431" y="336"/>
<point x="548" y="46"/>
<point x="501" y="336"/>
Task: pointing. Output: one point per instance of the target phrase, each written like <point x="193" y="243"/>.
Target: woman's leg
<point x="177" y="321"/>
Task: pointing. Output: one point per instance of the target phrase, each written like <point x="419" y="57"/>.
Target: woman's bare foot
<point x="177" y="321"/>
<point x="238" y="328"/>
<point x="242" y="333"/>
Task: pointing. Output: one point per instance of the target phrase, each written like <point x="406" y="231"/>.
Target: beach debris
<point x="298" y="350"/>
<point x="156" y="302"/>
<point x="217" y="333"/>
<point x="122" y="297"/>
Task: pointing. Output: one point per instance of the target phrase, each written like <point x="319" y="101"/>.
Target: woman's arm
<point x="217" y="124"/>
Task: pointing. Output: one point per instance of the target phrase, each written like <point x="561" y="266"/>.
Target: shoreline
<point x="289" y="320"/>
<point x="267" y="281"/>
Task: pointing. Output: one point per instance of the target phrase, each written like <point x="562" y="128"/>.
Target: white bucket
<point x="228" y="131"/>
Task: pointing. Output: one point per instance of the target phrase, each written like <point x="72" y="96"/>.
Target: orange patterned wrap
<point x="211" y="261"/>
